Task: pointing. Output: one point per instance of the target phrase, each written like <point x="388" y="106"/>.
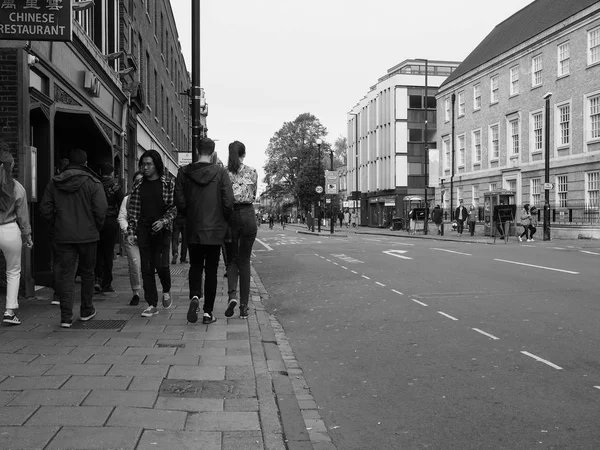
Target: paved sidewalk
<point x="122" y="381"/>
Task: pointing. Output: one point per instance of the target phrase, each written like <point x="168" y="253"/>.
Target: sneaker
<point x="108" y="288"/>
<point x="55" y="302"/>
<point x="521" y="239"/>
<point x="230" y="307"/>
<point x="150" y="311"/>
<point x="208" y="318"/>
<point x="166" y="301"/>
<point x="11" y="319"/>
<point x="135" y="300"/>
<point x="88" y="317"/>
<point x="243" y="312"/>
<point x="192" y="314"/>
<point x="65" y="324"/>
<point x="529" y="240"/>
<point x="97" y="286"/>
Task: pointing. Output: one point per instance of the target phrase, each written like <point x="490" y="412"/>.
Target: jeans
<point x="204" y="259"/>
<point x="10" y="244"/>
<point x="239" y="250"/>
<point x="179" y="229"/>
<point x="460" y="224"/>
<point x="105" y="252"/>
<point x="135" y="265"/>
<point x="154" y="255"/>
<point x="525" y="232"/>
<point x="471" y="228"/>
<point x="67" y="255"/>
<point x="532" y="231"/>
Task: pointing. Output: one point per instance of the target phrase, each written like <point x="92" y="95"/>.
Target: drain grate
<point x="99" y="325"/>
<point x="181" y="271"/>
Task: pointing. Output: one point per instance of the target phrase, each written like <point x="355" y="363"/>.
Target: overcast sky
<point x="264" y="62"/>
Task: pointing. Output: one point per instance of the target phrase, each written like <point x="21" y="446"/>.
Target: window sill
<point x="563" y="147"/>
<point x="494" y="103"/>
<point x="513" y="95"/>
<point x="515" y="156"/>
<point x="593" y="141"/>
<point x="476" y="109"/>
<point x="590" y="65"/>
<point x="537" y="152"/>
<point x="565" y="75"/>
<point x="537" y="86"/>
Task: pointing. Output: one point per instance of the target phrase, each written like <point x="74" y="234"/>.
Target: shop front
<point x="382" y="210"/>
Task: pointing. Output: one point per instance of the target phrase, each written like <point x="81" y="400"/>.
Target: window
<point x="536" y="70"/>
<point x="592" y="190"/>
<point x="447" y="110"/>
<point x="494" y="144"/>
<point x="477" y="97"/>
<point x="564" y="120"/>
<point x="475" y="195"/>
<point x="594" y="117"/>
<point x="494" y="89"/>
<point x="561" y="191"/>
<point x="514" y="80"/>
<point x="493" y="186"/>
<point x="459" y="193"/>
<point x="476" y="143"/>
<point x="446" y="154"/>
<point x="461" y="103"/>
<point x="511" y="185"/>
<point x="513" y="128"/>
<point x="461" y="150"/>
<point x="594" y="46"/>
<point x="564" y="55"/>
<point x="537" y="120"/>
<point x="536" y="191"/>
<point x="155" y="93"/>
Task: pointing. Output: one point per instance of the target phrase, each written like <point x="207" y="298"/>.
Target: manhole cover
<point x="99" y="325"/>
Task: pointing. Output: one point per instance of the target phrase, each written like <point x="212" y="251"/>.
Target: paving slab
<point x="144" y="399"/>
<point x="95" y="438"/>
<point x="83" y="416"/>
<point x="223" y="421"/>
<point x="94" y="382"/>
<point x="116" y="359"/>
<point x="189" y="404"/>
<point x="42" y="382"/>
<point x="195" y="373"/>
<point x="121" y="370"/>
<point x="143" y="383"/>
<point x="180" y="440"/>
<point x="24" y="370"/>
<point x="15" y="415"/>
<point x="50" y="397"/>
<point x="144" y="351"/>
<point x="26" y="437"/>
<point x="79" y="369"/>
<point x="172" y="360"/>
<point x="152" y="419"/>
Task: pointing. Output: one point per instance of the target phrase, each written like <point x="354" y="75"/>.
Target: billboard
<point x="36" y="20"/>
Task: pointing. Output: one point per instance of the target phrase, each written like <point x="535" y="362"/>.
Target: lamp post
<point x="452" y="171"/>
<point x="426" y="224"/>
<point x="547" y="168"/>
<point x="318" y="214"/>
<point x="331" y="220"/>
<point x="196" y="92"/>
<point x="356" y="162"/>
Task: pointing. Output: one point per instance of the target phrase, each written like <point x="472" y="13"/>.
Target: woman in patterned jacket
<point x="244" y="180"/>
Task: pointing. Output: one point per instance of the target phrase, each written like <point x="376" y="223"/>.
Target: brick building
<point x="114" y="90"/>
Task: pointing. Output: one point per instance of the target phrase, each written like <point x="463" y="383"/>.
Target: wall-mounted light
<point x="113" y="56"/>
<point x="83" y="5"/>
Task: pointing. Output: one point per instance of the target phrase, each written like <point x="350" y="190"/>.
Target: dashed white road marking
<point x="364" y="276"/>
<point x="597" y="387"/>
<point x="354" y="271"/>
<point x="451" y="251"/>
<point x="344" y="267"/>
<point x="491" y="336"/>
<point x="264" y="244"/>
<point x="420" y="303"/>
<point x="537" y="358"/>
<point x="589" y="253"/>
<point x="537" y="267"/>
<point x="557" y="248"/>
<point x="447" y="315"/>
<point x="380" y="284"/>
<point x="397" y="292"/>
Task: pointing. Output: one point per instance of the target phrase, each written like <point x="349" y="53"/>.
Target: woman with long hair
<point x="244" y="180"/>
<point x="14" y="226"/>
<point x="131" y="249"/>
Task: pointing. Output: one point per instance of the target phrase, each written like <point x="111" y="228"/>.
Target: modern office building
<point x="542" y="63"/>
<point x="387" y="143"/>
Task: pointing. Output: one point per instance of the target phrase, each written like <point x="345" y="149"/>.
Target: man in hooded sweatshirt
<point x="75" y="206"/>
<point x="204" y="195"/>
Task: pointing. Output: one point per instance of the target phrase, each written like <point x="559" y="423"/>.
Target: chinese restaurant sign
<point x="36" y="20"/>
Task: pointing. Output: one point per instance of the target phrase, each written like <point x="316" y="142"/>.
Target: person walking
<point x="341" y="218"/>
<point x="525" y="222"/>
<point x="472" y="220"/>
<point x="460" y="216"/>
<point x="353" y="219"/>
<point x="347" y="218"/>
<point x="60" y="168"/>
<point x="15" y="230"/>
<point x="74" y="204"/>
<point x="150" y="214"/>
<point x="179" y="230"/>
<point x="110" y="231"/>
<point x="132" y="250"/>
<point x="534" y="222"/>
<point x="244" y="180"/>
<point x="437" y="218"/>
<point x="204" y="196"/>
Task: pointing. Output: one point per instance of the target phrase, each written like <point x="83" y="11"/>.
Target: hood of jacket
<point x="202" y="173"/>
<point x="109" y="184"/>
<point x="73" y="178"/>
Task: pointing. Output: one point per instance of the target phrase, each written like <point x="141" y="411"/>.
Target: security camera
<point x="31" y="60"/>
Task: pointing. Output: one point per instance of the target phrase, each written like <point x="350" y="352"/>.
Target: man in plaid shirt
<point x="150" y="214"/>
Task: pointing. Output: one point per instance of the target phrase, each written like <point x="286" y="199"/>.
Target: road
<point x="423" y="344"/>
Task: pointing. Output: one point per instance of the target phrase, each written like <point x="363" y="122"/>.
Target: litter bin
<point x="397" y="223"/>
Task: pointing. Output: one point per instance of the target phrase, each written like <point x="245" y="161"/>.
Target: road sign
<point x="319" y="189"/>
<point x="548" y="186"/>
<point x="328" y="200"/>
<point x="331" y="179"/>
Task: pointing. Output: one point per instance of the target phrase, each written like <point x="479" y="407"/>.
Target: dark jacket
<point x="437" y="215"/>
<point x="461" y="213"/>
<point x="74" y="205"/>
<point x="203" y="193"/>
<point x="114" y="196"/>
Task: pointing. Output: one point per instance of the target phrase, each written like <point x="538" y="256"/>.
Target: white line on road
<point x="537" y="358"/>
<point x="355" y="272"/>
<point x="336" y="264"/>
<point x="396" y="253"/>
<point x="447" y="315"/>
<point x="537" y="267"/>
<point x="265" y="245"/>
<point x="556" y="248"/>
<point x="344" y="267"/>
<point x="364" y="276"/>
<point x="589" y="253"/>
<point x="597" y="387"/>
<point x="491" y="336"/>
<point x="451" y="251"/>
<point x="397" y="292"/>
<point x="420" y="303"/>
<point x="380" y="284"/>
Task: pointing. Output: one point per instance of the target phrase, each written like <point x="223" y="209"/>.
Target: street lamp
<point x="426" y="167"/>
<point x="319" y="142"/>
<point x="356" y="204"/>
<point x="331" y="220"/>
<point x="547" y="169"/>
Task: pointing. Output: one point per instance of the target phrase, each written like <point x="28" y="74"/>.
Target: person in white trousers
<point x="14" y="228"/>
<point x="132" y="250"/>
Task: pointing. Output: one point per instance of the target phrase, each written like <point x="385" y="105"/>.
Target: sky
<point x="265" y="62"/>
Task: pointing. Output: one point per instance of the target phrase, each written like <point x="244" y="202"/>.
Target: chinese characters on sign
<point x="36" y="20"/>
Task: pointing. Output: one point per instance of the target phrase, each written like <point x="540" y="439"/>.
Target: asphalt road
<point x="420" y="344"/>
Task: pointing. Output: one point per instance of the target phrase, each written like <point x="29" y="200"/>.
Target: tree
<point x="292" y="165"/>
<point x="340" y="152"/>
